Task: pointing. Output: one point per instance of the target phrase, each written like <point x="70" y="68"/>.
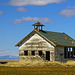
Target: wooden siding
<point x="36" y="43"/>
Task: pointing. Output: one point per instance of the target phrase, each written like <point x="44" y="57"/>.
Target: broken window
<point x="25" y="52"/>
<point x="32" y="52"/>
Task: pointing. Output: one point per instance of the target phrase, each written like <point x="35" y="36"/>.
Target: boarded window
<point x="32" y="52"/>
<point x="40" y="53"/>
<point x="25" y="52"/>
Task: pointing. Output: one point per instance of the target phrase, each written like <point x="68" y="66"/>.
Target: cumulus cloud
<point x="69" y="7"/>
<point x="1" y="12"/>
<point x="17" y="21"/>
<point x="32" y="2"/>
<point x="67" y="13"/>
<point x="21" y="9"/>
<point x="44" y="20"/>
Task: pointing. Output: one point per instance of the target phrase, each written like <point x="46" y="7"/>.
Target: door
<point x="48" y="55"/>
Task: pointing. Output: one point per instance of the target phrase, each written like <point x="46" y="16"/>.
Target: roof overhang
<point x="34" y="31"/>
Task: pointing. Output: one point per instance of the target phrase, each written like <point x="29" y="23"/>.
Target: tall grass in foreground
<point x="34" y="63"/>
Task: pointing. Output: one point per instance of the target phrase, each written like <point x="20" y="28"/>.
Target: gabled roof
<point x="59" y="39"/>
<point x="55" y="38"/>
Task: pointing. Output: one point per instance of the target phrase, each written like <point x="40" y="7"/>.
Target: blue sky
<point x="17" y="17"/>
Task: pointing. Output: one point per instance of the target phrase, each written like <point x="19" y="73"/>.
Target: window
<point x="32" y="52"/>
<point x="40" y="53"/>
<point x="25" y="52"/>
<point x="68" y="52"/>
<point x="65" y="51"/>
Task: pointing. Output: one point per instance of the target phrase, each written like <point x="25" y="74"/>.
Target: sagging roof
<point x="55" y="38"/>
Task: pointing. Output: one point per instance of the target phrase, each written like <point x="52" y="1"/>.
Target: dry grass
<point x="45" y="70"/>
<point x="70" y="63"/>
<point x="37" y="67"/>
<point x="35" y="63"/>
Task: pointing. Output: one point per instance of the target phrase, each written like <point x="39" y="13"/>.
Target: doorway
<point x="48" y="55"/>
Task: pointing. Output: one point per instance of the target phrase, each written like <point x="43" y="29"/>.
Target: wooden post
<point x="36" y="52"/>
<point x="29" y="53"/>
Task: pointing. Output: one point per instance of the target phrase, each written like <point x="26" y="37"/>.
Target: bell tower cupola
<point x="38" y="26"/>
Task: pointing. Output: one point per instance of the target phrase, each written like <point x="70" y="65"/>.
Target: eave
<point x="34" y="31"/>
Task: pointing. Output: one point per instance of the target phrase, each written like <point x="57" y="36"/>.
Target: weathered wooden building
<point x="46" y="45"/>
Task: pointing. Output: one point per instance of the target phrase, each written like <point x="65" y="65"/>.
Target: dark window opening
<point x="69" y="52"/>
<point x="25" y="52"/>
<point x="40" y="53"/>
<point x="48" y="55"/>
<point x="65" y="53"/>
<point x="74" y="50"/>
<point x="32" y="52"/>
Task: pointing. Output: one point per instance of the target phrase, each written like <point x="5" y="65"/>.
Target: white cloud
<point x="36" y="19"/>
<point x="17" y="21"/>
<point x="67" y="13"/>
<point x="21" y="9"/>
<point x="44" y="20"/>
<point x="32" y="2"/>
<point x="69" y="7"/>
<point x="1" y="12"/>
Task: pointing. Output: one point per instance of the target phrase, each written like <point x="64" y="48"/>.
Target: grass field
<point x="37" y="71"/>
<point x="37" y="68"/>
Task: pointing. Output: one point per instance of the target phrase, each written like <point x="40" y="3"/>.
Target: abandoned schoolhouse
<point x="46" y="45"/>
